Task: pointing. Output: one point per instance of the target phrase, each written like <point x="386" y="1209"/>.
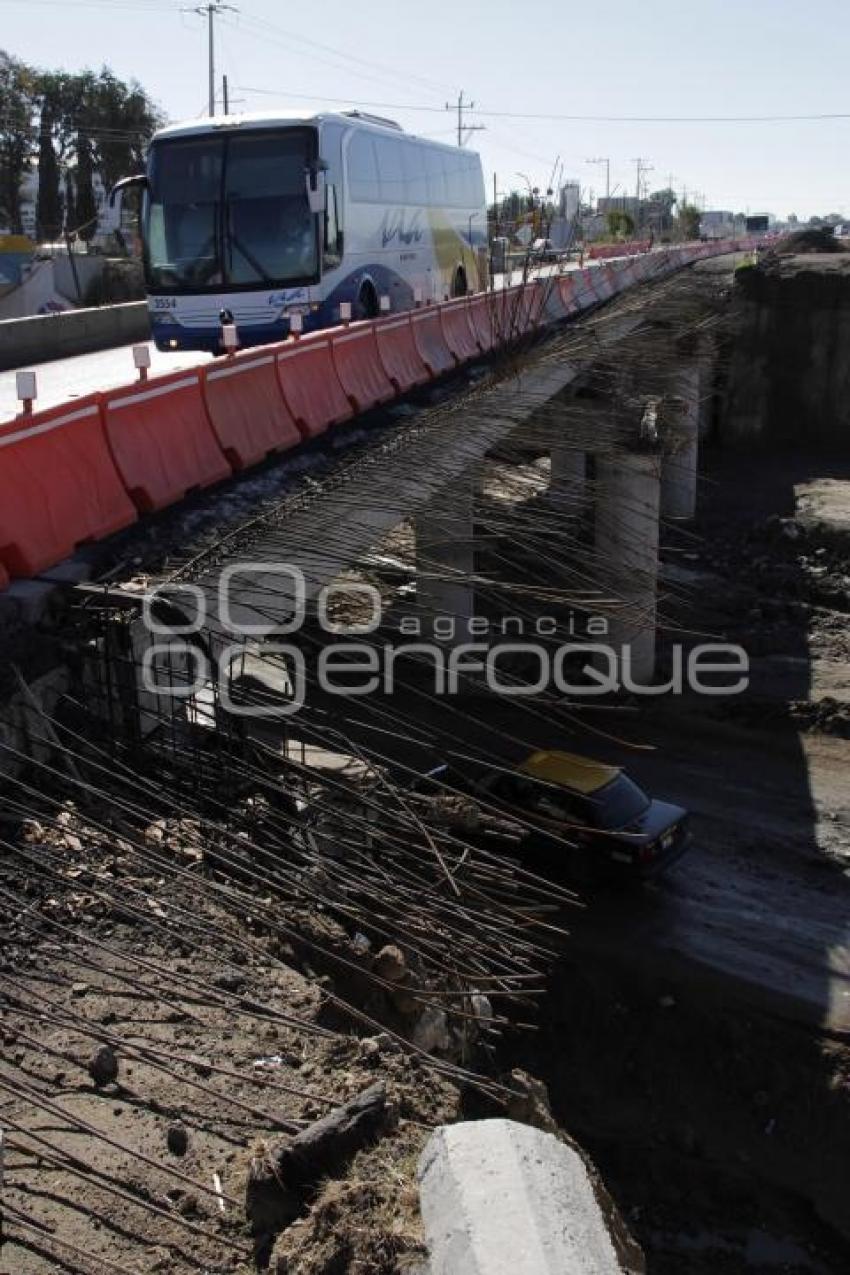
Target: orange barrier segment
<point x="457" y="331"/>
<point x="586" y="292"/>
<point x="399" y="355"/>
<point x="567" y="290"/>
<point x="247" y="409"/>
<point x="58" y="487"/>
<point x="553" y="309"/>
<point x="508" y="316"/>
<point x="4" y="578"/>
<point x="310" y="385"/>
<point x="429" y="340"/>
<point x="162" y="440"/>
<point x="526" y="308"/>
<point x="359" y="367"/>
<point x="481" y="322"/>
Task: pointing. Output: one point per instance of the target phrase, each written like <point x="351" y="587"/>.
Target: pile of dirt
<point x="806" y="241"/>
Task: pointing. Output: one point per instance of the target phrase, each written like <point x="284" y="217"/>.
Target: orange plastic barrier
<point x="457" y="330"/>
<point x="481" y="321"/>
<point x="247" y="409"/>
<point x="4" y="578"/>
<point x="553" y="309"/>
<point x="586" y="291"/>
<point x="599" y="252"/>
<point x="508" y="314"/>
<point x="607" y="282"/>
<point x="530" y="307"/>
<point x="359" y="368"/>
<point x="399" y="355"/>
<point x="58" y="487"/>
<point x="311" y="387"/>
<point x="161" y="439"/>
<point x="429" y="340"/>
<point x="567" y="290"/>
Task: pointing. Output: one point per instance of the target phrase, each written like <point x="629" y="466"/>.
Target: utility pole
<point x="225" y="96"/>
<point x="604" y="160"/>
<point x="212" y="10"/>
<point x="642" y="167"/>
<point x="460" y="106"/>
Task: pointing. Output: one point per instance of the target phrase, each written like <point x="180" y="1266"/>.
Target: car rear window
<point x="619" y="803"/>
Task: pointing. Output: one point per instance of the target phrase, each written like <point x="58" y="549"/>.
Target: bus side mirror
<point x="315" y="181"/>
<point x="126" y="183"/>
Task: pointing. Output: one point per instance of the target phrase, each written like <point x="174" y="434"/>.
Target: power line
<point x="460" y="106"/>
<point x="594" y="119"/>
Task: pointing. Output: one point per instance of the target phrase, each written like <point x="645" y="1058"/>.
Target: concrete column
<point x="567" y="478"/>
<point x="681" y="444"/>
<point x="444" y="558"/>
<point x="628" y="495"/>
<point x="706" y="361"/>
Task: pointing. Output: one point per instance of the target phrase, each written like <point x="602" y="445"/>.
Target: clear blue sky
<point x="659" y="58"/>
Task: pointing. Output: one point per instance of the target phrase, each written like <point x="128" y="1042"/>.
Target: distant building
<point x="620" y="203"/>
<point x="569" y="200"/>
<point x="716" y="224"/>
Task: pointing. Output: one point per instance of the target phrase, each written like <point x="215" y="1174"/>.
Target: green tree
<point x="689" y="221"/>
<point x="17" y="136"/>
<point x="621" y="225"/>
<point x="49" y="206"/>
<point x="666" y="197"/>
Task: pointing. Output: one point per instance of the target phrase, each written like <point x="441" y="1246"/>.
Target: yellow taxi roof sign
<point x="568" y="770"/>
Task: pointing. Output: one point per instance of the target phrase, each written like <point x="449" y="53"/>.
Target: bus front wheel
<point x="368" y="302"/>
<point x="459" y="284"/>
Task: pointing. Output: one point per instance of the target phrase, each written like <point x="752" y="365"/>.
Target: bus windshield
<point x="231" y="211"/>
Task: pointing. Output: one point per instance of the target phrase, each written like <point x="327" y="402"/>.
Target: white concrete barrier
<point x="56" y="336"/>
<point x="501" y="1198"/>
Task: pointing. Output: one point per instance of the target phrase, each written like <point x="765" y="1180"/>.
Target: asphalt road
<point x="66" y="379"/>
<point x="762" y="900"/>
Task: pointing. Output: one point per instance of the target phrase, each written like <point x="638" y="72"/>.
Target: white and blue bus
<point x="261" y="216"/>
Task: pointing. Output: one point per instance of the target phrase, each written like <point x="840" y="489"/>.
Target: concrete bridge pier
<point x="707" y="364"/>
<point x="628" y="504"/>
<point x="681" y="444"/>
<point x="445" y="559"/>
<point x="568" y="477"/>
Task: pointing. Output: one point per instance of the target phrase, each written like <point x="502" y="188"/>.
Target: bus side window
<point x="390" y="155"/>
<point x="436" y="178"/>
<point x="415" y="173"/>
<point x="363" y="183"/>
<point x="332" y="254"/>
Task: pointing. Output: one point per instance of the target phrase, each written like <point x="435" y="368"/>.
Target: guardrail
<point x="82" y="471"/>
<point x="42" y="337"/>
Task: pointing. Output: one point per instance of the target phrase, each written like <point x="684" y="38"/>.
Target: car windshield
<point x="230" y="211"/>
<point x="618" y="803"/>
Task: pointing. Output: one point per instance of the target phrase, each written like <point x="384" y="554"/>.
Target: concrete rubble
<point x="497" y="1196"/>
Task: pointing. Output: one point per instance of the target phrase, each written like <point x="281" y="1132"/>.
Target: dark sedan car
<point x="588" y="818"/>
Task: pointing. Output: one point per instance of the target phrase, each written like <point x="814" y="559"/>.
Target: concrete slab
<point x="502" y="1198"/>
